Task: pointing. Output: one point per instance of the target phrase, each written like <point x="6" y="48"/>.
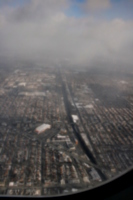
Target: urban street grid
<point x="90" y="134"/>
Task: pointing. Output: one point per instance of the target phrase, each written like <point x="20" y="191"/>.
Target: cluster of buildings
<point x="105" y="118"/>
<point x="39" y="153"/>
<point x="63" y="131"/>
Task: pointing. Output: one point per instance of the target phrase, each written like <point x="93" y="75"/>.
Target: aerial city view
<point x="63" y="130"/>
<point x="66" y="95"/>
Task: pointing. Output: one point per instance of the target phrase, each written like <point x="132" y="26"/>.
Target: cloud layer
<point x="41" y="32"/>
<point x="96" y="5"/>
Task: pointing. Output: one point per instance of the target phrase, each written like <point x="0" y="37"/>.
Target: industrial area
<point x="63" y="130"/>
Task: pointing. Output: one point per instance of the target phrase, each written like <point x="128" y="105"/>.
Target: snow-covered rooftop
<point x="22" y="84"/>
<point x="75" y="118"/>
<point x="42" y="128"/>
<point x="123" y="82"/>
<point x="32" y="94"/>
<point x="88" y="106"/>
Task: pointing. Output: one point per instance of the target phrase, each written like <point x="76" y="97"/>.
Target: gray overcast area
<point x="42" y="32"/>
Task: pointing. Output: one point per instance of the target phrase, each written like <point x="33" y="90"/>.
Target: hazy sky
<point x="67" y="32"/>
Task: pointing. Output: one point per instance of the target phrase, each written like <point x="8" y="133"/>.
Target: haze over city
<point x="66" y="95"/>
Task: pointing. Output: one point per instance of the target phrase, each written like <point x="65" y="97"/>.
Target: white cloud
<point x="51" y="36"/>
